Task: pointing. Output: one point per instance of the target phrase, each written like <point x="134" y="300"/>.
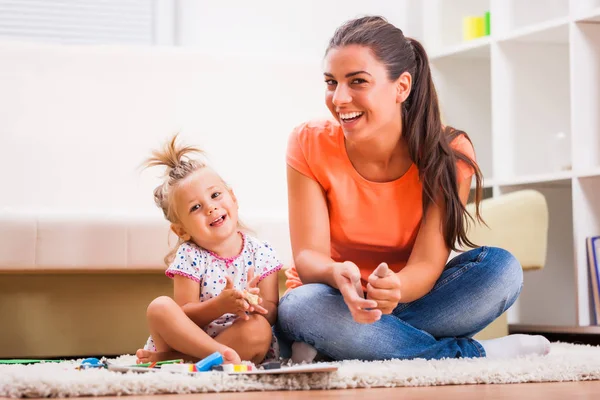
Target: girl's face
<point x="359" y="94"/>
<point x="206" y="208"/>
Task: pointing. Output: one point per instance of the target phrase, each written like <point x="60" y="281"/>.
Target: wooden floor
<point x="529" y="391"/>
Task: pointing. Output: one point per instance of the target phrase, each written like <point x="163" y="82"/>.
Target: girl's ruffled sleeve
<point x="266" y="261"/>
<point x="189" y="262"/>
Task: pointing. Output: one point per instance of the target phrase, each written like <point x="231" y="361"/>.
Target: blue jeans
<point x="475" y="288"/>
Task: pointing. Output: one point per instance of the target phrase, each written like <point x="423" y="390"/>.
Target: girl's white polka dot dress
<point x="209" y="270"/>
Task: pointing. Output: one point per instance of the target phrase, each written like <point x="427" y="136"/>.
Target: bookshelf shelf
<point x="549" y="296"/>
<point x="477" y="48"/>
<point x="533" y="12"/>
<point x="531" y="113"/>
<point x="585" y="330"/>
<point x="443" y="21"/>
<point x="591" y="173"/>
<point x="469" y="83"/>
<point x="586" y="10"/>
<point x="539" y="302"/>
<point x="529" y="97"/>
<point x="592" y="16"/>
<point x="585" y="57"/>
<point x="587" y="219"/>
<point x="554" y="31"/>
<point x="554" y="179"/>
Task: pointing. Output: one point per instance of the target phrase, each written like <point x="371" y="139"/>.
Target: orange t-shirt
<point x="370" y="222"/>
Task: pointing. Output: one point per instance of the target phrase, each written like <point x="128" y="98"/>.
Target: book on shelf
<point x="593" y="257"/>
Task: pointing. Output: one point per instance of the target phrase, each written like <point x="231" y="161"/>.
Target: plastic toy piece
<point x="242" y="369"/>
<point x="206" y="364"/>
<point x="252" y="299"/>
<point x="128" y="368"/>
<point x="227" y="368"/>
<point x="91" y="362"/>
<point x="153" y="364"/>
<point x="295" y="369"/>
<point x="271" y="365"/>
<point x="27" y="361"/>
<point x="473" y="27"/>
<point x="181" y="368"/>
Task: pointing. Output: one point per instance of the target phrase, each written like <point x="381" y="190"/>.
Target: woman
<point x="385" y="185"/>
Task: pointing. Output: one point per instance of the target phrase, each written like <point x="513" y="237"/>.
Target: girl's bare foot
<point x="146" y="356"/>
<point x="230" y="356"/>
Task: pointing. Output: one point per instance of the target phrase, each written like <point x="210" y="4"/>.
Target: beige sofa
<point x="517" y="222"/>
<point x="78" y="285"/>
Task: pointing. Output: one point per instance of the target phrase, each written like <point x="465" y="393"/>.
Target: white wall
<point x="76" y="121"/>
<point x="279" y="29"/>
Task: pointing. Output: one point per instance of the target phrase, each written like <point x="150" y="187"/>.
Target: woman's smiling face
<point x="359" y="93"/>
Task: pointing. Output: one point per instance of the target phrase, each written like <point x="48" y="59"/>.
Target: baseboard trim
<point x="569" y="334"/>
<point x="584" y="330"/>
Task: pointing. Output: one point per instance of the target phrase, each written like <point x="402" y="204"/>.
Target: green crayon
<point x="159" y="363"/>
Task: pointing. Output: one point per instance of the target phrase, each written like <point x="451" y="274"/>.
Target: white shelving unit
<point x="529" y="97"/>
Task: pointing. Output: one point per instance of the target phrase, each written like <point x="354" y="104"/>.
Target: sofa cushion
<point x="73" y="242"/>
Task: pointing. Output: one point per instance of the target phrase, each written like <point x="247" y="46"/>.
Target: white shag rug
<point x="566" y="362"/>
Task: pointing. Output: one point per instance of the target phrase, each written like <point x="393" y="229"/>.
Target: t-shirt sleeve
<point x="464" y="170"/>
<point x="296" y="152"/>
<point x="266" y="261"/>
<point x="189" y="262"/>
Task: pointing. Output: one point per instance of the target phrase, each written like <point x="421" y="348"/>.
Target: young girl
<point x="225" y="281"/>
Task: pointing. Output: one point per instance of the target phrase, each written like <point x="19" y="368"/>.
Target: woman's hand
<point x="347" y="279"/>
<point x="384" y="287"/>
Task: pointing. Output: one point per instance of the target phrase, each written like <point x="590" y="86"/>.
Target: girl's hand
<point x="347" y="278"/>
<point x="253" y="288"/>
<point x="232" y="301"/>
<point x="384" y="287"/>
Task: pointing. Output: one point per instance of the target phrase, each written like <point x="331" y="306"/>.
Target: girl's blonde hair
<point x="179" y="165"/>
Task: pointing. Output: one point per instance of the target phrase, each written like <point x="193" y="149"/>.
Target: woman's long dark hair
<point x="428" y="142"/>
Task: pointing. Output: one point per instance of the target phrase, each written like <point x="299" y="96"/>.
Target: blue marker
<point x="207" y="363"/>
